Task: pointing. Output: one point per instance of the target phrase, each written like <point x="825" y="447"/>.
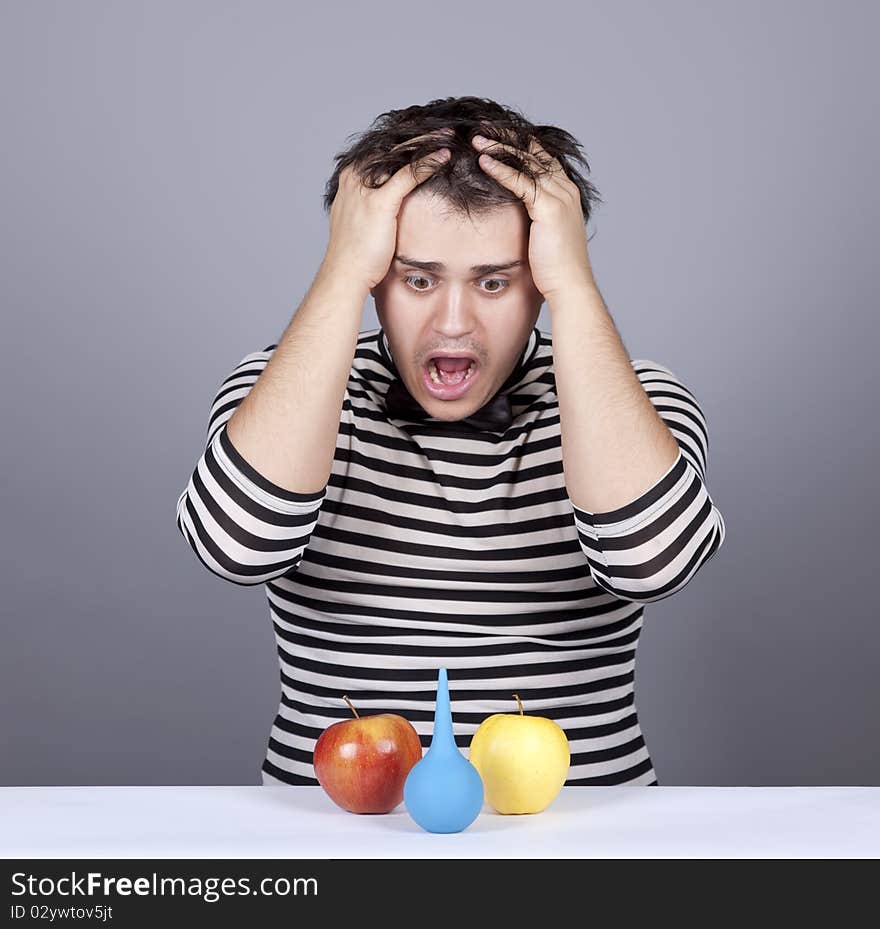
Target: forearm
<point x="286" y="427"/>
<point x="614" y="443"/>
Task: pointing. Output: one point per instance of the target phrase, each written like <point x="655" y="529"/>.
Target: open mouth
<point x="449" y="377"/>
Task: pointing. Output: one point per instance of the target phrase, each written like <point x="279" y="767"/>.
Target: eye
<point x="500" y="283"/>
<point x="497" y="280"/>
<point x="416" y="277"/>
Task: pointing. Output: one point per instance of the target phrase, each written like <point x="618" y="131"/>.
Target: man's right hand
<point x="363" y="220"/>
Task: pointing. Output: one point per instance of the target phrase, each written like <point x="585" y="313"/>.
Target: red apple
<point x="362" y="763"/>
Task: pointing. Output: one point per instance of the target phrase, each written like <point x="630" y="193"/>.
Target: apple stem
<point x="352" y="707"/>
<point x="520" y="704"/>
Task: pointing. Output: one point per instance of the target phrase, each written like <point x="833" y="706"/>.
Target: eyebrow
<point x="439" y="266"/>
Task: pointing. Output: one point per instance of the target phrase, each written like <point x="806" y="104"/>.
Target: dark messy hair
<point x="398" y="137"/>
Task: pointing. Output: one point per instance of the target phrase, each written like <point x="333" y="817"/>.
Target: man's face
<point x="484" y="315"/>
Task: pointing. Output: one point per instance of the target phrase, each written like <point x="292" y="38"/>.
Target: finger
<point x="418" y="165"/>
<point x="411" y="175"/>
<point x="550" y="176"/>
<point x="493" y="147"/>
<point x="558" y="180"/>
<point x="437" y="135"/>
<point x="510" y="178"/>
<point x="544" y="156"/>
<point x="489" y="131"/>
<point x="536" y="155"/>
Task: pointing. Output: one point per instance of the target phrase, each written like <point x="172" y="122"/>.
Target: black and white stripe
<point x="436" y="545"/>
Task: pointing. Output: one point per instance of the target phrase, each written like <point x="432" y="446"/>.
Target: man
<point x="456" y="488"/>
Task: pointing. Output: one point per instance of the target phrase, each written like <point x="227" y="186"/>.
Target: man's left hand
<point x="558" y="255"/>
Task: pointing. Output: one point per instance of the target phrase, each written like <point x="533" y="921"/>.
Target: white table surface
<point x="302" y="822"/>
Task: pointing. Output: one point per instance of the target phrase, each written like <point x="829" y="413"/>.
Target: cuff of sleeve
<point x="626" y="518"/>
<point x="256" y="485"/>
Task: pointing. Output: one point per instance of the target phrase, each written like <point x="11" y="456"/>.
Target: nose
<point x="455" y="316"/>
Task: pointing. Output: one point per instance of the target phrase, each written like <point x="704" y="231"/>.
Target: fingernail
<point x="480" y="139"/>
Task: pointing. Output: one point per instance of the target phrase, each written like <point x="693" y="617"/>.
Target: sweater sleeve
<point x="242" y="526"/>
<point x="652" y="547"/>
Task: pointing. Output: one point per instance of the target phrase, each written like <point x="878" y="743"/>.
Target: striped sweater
<point x="435" y="544"/>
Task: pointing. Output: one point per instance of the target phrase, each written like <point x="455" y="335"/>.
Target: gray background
<point x="163" y="165"/>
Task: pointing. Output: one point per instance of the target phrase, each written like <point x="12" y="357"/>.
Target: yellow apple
<point x="523" y="760"/>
